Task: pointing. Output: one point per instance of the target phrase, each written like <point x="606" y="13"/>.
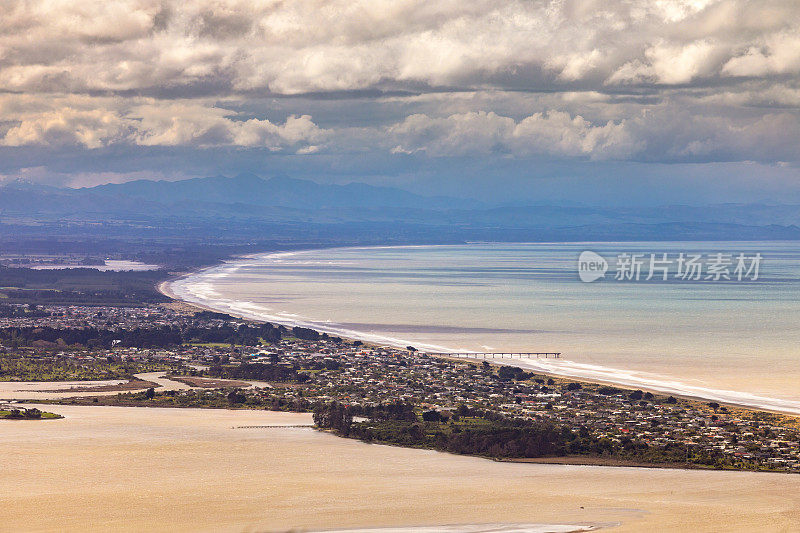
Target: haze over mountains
<point x="250" y="189"/>
<point x="257" y="205"/>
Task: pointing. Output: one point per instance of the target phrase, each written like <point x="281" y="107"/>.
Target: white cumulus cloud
<point x="654" y="80"/>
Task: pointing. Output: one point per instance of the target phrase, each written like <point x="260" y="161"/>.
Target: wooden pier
<point x="493" y="355"/>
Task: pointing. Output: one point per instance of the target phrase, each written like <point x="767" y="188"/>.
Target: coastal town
<point x="335" y="266"/>
<point x="299" y="369"/>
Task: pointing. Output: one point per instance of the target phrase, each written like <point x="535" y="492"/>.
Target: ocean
<point x="732" y="335"/>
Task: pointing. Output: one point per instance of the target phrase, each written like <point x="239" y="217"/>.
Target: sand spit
<point x="134" y="469"/>
<point x="59" y="390"/>
<point x="53" y="390"/>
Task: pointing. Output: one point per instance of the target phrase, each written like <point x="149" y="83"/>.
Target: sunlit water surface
<point x="729" y="340"/>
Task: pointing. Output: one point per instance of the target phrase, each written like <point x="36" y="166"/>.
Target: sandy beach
<point x="784" y="401"/>
<point x="736" y="343"/>
<point x="137" y="469"/>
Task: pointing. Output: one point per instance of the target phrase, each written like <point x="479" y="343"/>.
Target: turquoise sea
<point x="727" y="339"/>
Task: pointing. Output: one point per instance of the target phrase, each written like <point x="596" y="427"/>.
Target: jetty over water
<point x="493" y="355"/>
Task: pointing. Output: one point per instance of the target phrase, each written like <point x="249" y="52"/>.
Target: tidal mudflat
<point x="53" y="390"/>
<point x="151" y="469"/>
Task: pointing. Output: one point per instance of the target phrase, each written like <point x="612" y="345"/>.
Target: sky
<point x="585" y="101"/>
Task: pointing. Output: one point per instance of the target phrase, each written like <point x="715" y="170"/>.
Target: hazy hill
<point x="278" y="191"/>
<point x="248" y="206"/>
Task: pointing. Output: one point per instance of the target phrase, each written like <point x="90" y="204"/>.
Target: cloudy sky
<point x="567" y="100"/>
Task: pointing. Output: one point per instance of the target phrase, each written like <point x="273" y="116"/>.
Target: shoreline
<point x="354" y="484"/>
<point x="631" y="388"/>
<point x="165" y="288"/>
<point x="609" y="462"/>
<point x="625" y="379"/>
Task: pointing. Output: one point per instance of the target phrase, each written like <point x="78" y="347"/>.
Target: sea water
<point x="727" y="339"/>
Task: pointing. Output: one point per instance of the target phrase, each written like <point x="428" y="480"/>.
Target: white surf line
<point x="202" y="293"/>
<point x="208" y="298"/>
<point x="631" y="378"/>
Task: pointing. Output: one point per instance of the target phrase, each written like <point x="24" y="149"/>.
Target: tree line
<point x="473" y="431"/>
<point x="159" y="337"/>
<point x="259" y="372"/>
<point x="485" y="433"/>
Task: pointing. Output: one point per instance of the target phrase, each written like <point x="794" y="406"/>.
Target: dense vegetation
<point x="468" y="431"/>
<point x="251" y="334"/>
<point x="306" y="334"/>
<point x="26" y="414"/>
<point x="248" y="335"/>
<point x="258" y="371"/>
<point x="197" y="398"/>
<point x="17" y="311"/>
<point x="512" y="373"/>
<point x="489" y="433"/>
<point x="17" y="368"/>
<point x="80" y="286"/>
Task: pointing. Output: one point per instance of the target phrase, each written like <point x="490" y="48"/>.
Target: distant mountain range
<point x="254" y="205"/>
<point x="250" y="189"/>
